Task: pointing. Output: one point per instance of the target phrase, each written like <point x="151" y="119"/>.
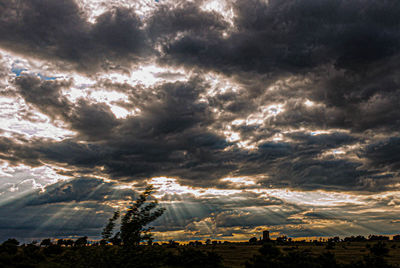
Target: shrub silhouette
<point x="81" y="242"/>
<point x="253" y="240"/>
<point x="10" y="246"/>
<point x="379" y="249"/>
<point x="46" y="242"/>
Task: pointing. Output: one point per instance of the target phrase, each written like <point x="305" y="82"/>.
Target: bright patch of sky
<point x="94" y="8"/>
<point x="13" y="119"/>
<point x="240" y="181"/>
<point x="19" y="180"/>
<point x="165" y="185"/>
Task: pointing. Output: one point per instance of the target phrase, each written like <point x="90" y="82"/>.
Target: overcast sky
<point x="246" y="115"/>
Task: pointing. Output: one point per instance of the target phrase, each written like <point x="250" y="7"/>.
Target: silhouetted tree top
<point x="138" y="215"/>
<point x="108" y="230"/>
<point x="46" y="242"/>
<point x="82" y="241"/>
<point x="133" y="228"/>
<point x="11" y="242"/>
<point x="253" y="240"/>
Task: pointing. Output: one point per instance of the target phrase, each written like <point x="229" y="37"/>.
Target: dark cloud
<point x="332" y="140"/>
<point x="93" y="121"/>
<point x="256" y="217"/>
<point x="59" y="31"/>
<point x="46" y="96"/>
<point x="169" y="135"/>
<point x="175" y="134"/>
<point x="292" y="36"/>
<point x="347" y="50"/>
<point x="313" y="87"/>
<point x="320" y="77"/>
<point x="329" y="174"/>
<point x="178" y="134"/>
<point x="384" y="155"/>
<point x="185" y="18"/>
<point x="16" y="152"/>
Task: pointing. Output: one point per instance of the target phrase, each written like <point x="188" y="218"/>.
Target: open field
<point x="234" y="255"/>
<point x="368" y="254"/>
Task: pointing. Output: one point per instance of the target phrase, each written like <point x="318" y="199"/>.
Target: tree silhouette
<point x="253" y="240"/>
<point x="379" y="249"/>
<point x="108" y="230"/>
<point x="46" y="242"/>
<point x="81" y="242"/>
<point x="10" y="246"/>
<point x="138" y="215"/>
<point x="133" y="224"/>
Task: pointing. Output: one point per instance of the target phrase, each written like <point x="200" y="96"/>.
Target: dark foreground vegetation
<point x="103" y="256"/>
<point x="271" y="254"/>
<point x="132" y="246"/>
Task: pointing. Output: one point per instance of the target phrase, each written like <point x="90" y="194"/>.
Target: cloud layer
<point x="292" y="95"/>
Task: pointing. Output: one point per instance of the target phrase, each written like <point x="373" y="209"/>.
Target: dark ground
<point x="234" y="255"/>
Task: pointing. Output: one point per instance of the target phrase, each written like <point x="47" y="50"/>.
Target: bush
<point x="379" y="249"/>
<point x="271" y="257"/>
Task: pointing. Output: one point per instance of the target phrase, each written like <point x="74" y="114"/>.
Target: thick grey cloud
<point x="176" y="134"/>
<point x="348" y="51"/>
<point x="185" y="18"/>
<point x="309" y="89"/>
<point x="59" y="31"/>
<point x="93" y="121"/>
<point x="292" y="36"/>
<point x="384" y="155"/>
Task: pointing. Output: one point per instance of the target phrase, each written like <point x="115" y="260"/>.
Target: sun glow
<point x="264" y="113"/>
<point x="165" y="185"/>
<point x="309" y="103"/>
<point x="240" y="181"/>
<point x="14" y="119"/>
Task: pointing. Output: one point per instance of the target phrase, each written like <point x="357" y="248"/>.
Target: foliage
<point x="253" y="240"/>
<point x="139" y="215"/>
<point x="270" y="256"/>
<point x="10" y="246"/>
<point x="46" y="242"/>
<point x="108" y="229"/>
<point x="379" y="249"/>
<point x="358" y="238"/>
<point x="97" y="256"/>
<point x="378" y="238"/>
<point x="133" y="228"/>
<point x="144" y="256"/>
<point x="82" y="241"/>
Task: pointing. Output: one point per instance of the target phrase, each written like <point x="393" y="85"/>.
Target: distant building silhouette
<point x="265" y="235"/>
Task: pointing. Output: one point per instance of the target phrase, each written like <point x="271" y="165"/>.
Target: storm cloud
<point x="238" y="95"/>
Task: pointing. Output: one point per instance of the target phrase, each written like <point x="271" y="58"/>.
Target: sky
<point x="246" y="115"/>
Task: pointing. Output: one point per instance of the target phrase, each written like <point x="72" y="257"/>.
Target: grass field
<point x="235" y="255"/>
